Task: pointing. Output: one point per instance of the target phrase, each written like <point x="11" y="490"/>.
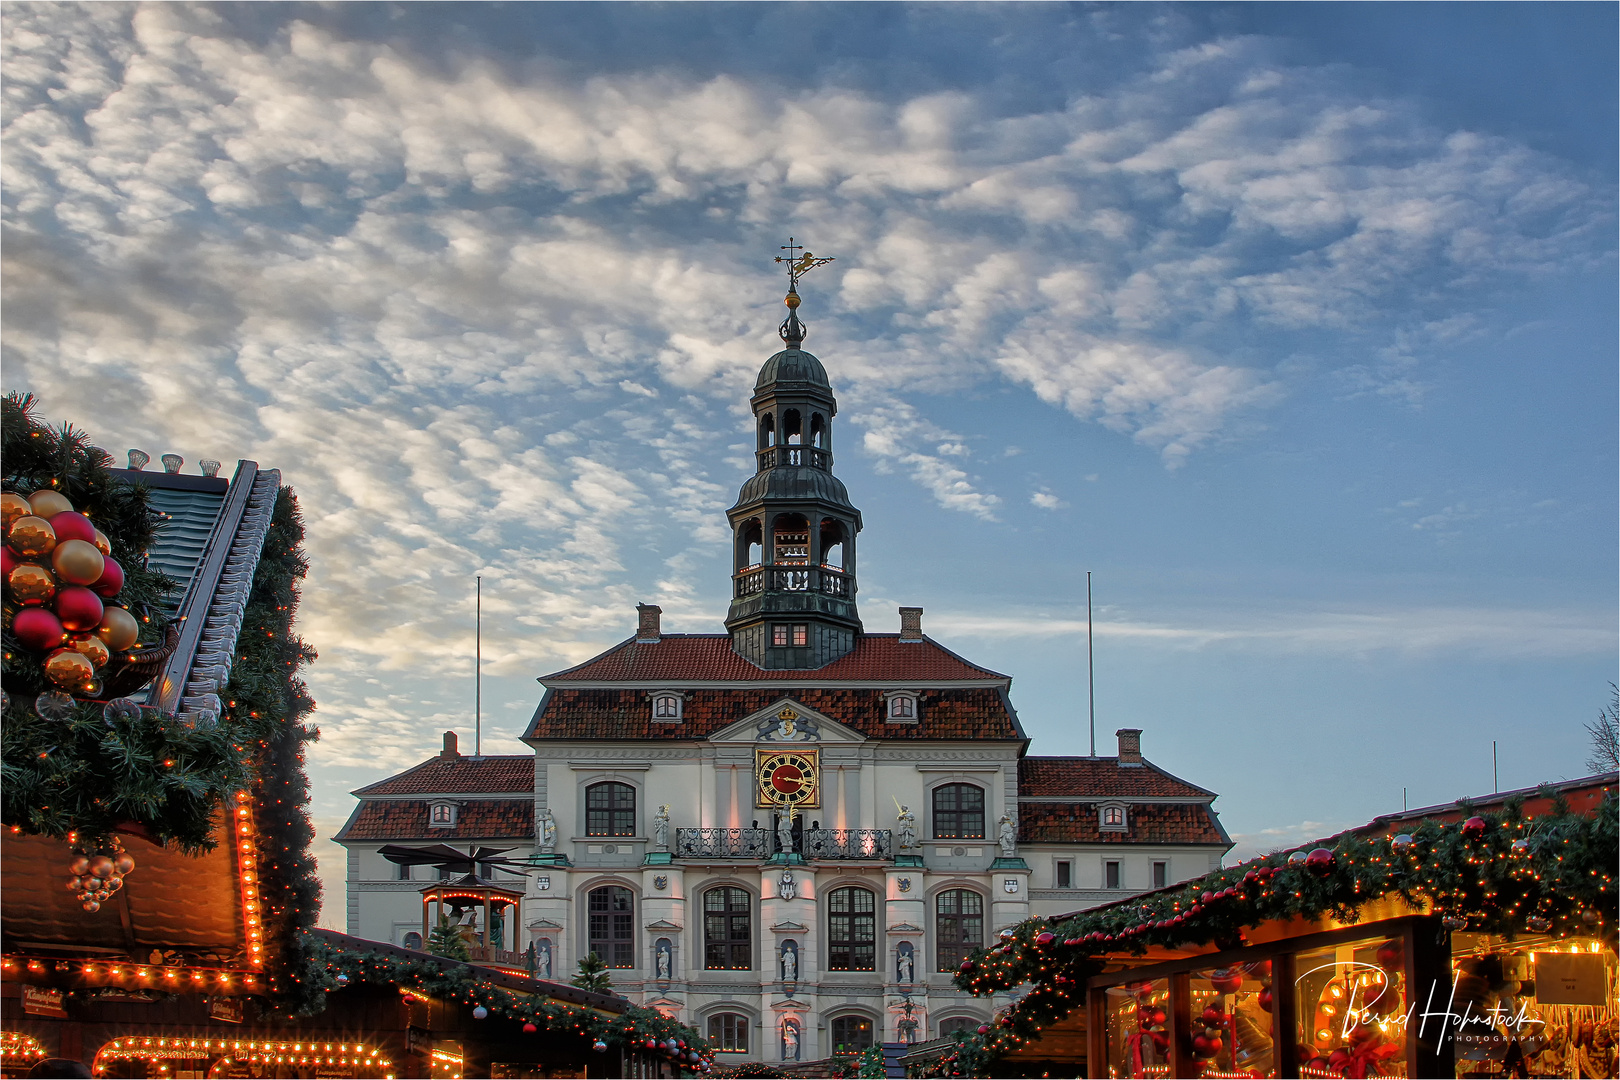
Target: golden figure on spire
<point x="792" y="330"/>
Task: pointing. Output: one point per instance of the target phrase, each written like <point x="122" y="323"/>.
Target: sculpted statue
<point x="784" y="832"/>
<point x="905" y="967"/>
<point x="790" y="964"/>
<point x="663" y="963"/>
<point x="661" y="829"/>
<point x="1007" y="835"/>
<point x="548" y="831"/>
<point x="906" y="826"/>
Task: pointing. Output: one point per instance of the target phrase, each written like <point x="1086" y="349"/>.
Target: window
<point x="958" y="926"/>
<point x="801" y="634"/>
<point x="727" y="938"/>
<point x="610" y="810"/>
<point x="957" y="1023"/>
<point x="1065" y="875"/>
<point x="851" y="930"/>
<point x="728" y="1032"/>
<point x="1161" y="874"/>
<point x="902" y="706"/>
<point x="613" y="925"/>
<point x="958" y="812"/>
<point x="442" y="816"/>
<point x="1113" y="817"/>
<point x="779" y="633"/>
<point x="412" y="940"/>
<point x="666" y="707"/>
<point x="851" y="1034"/>
<point x="1111" y="874"/>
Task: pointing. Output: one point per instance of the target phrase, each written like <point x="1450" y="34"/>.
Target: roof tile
<point x="1146" y="823"/>
<point x="407" y="819"/>
<point x="458" y="776"/>
<point x="1099" y="778"/>
<point x="709" y="657"/>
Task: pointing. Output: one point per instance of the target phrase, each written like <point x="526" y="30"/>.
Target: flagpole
<point x="1091" y="678"/>
<point x="478" y="667"/>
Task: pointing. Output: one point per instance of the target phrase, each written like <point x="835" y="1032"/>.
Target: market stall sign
<point x="1570" y="979"/>
<point x="44" y="1001"/>
<point x="226" y="1009"/>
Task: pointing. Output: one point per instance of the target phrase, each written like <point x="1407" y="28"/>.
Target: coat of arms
<point x="661" y="882"/>
<point x="903" y="884"/>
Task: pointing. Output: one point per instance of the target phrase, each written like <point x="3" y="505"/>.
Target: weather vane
<point x="792" y="330"/>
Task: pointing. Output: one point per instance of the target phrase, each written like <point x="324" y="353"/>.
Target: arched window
<point x="958" y="926"/>
<point x="612" y="910"/>
<point x="413" y="940"/>
<point x="851" y="930"/>
<point x="610" y="810"/>
<point x="767" y="431"/>
<point x="749" y="544"/>
<point x="957" y="1023"/>
<point x="958" y="812"/>
<point x="727" y="936"/>
<point x="792" y="428"/>
<point x="832" y="544"/>
<point x="728" y="1032"/>
<point x="442" y="816"/>
<point x="818" y="430"/>
<point x="1113" y="817"/>
<point x="851" y="1034"/>
<point x="666" y="707"/>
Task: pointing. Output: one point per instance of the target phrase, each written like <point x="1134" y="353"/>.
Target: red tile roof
<point x="459" y="775"/>
<point x="1146" y="823"/>
<point x="1099" y="778"/>
<point x="407" y="819"/>
<point x="708" y="658"/>
<point x="963" y="713"/>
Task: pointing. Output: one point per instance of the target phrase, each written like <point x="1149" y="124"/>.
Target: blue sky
<point x="1293" y="323"/>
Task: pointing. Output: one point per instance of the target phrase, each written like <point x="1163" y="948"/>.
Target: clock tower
<point x="793" y="526"/>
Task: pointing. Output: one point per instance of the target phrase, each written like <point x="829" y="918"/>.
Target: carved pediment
<point x="787" y="721"/>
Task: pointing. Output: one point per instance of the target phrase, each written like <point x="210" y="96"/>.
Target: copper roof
<point x="458" y="775"/>
<point x="982" y="712"/>
<point x="1100" y="778"/>
<point x="407" y="819"/>
<point x="1146" y="823"/>
<point x="709" y="658"/>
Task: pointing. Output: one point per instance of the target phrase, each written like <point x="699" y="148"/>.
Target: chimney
<point x="449" y="753"/>
<point x="1130" y="746"/>
<point x="911" y="624"/>
<point x="648" y="628"/>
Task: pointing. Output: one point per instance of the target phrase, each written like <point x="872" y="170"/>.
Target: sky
<point x="1294" y="324"/>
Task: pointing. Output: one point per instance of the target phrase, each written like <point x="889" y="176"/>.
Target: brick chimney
<point x="911" y="624"/>
<point x="1130" y="746"/>
<point x="648" y="617"/>
<point x="449" y="753"/>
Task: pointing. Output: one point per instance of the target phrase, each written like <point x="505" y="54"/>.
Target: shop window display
<point x="1139" y="1029"/>
<point x="1231" y="1021"/>
<point x="1350" y="1009"/>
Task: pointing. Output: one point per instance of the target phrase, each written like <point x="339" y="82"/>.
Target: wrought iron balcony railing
<point x="763" y="843"/>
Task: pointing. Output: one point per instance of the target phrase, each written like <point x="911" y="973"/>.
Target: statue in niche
<point x="906" y="827"/>
<point x="664" y="960"/>
<point x="784" y="832"/>
<point x="1007" y="836"/>
<point x="905" y="963"/>
<point x="548" y="831"/>
<point x="661" y="829"/>
<point x="542" y="959"/>
<point x="790" y="962"/>
<point x="790" y="1040"/>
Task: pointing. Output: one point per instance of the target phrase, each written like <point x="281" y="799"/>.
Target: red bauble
<point x="37" y="629"/>
<point x="1264" y="999"/>
<point x="72" y="525"/>
<point x="1213" y="1016"/>
<point x="1391" y="955"/>
<point x="984" y="1029"/>
<point x="529" y="1028"/>
<point x="1201" y="1046"/>
<point x="1338" y="1059"/>
<point x="1320" y="862"/>
<point x="1226" y="980"/>
<point x="1474" y="828"/>
<point x="8" y="562"/>
<point x="1043" y="938"/>
<point x="1161" y="1041"/>
<point x="110" y="581"/>
<point x="78" y="608"/>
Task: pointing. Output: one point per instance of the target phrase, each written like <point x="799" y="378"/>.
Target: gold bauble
<point x="31" y="536"/>
<point x="124" y="864"/>
<point x="70" y="671"/>
<point x="31" y="584"/>
<point x="12" y="507"/>
<point x="791" y="300"/>
<point x="92" y="649"/>
<point x="78" y="562"/>
<point x="101" y="866"/>
<point x="48" y="503"/>
<point x="118" y="629"/>
<point x="103" y="544"/>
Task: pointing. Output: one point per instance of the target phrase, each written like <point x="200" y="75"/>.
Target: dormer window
<point x="900" y="706"/>
<point x="1111" y="817"/>
<point x="666" y="708"/>
<point x="442" y="815"/>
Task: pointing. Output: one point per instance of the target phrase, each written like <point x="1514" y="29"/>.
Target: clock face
<point x="787" y="778"/>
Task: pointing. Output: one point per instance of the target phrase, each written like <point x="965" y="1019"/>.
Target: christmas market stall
<point x="1471" y="940"/>
<point x="159" y="893"/>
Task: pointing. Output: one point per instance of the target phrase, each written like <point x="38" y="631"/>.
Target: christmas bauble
<point x="103" y="545"/>
<point x="1474" y="828"/>
<point x="1391" y="955"/>
<point x="91" y="648"/>
<point x="77" y="561"/>
<point x="1538" y="924"/>
<point x="1201" y="1047"/>
<point x="117" y="628"/>
<point x="73" y="884"/>
<point x="1263" y="999"/>
<point x="9" y="561"/>
<point x="78" y="607"/>
<point x="1226" y="981"/>
<point x="1043" y="939"/>
<point x="79" y="865"/>
<point x="55" y="705"/>
<point x="31" y="537"/>
<point x="1212" y="1015"/>
<point x="92" y="905"/>
<point x="120" y="711"/>
<point x="124" y="864"/>
<point x="479" y="1012"/>
<point x="1338" y="1059"/>
<point x="529" y="1028"/>
<point x="72" y="525"/>
<point x="1402" y="843"/>
<point x="1521" y="846"/>
<point x="47" y="503"/>
<point x="1296" y="859"/>
<point x="31" y="584"/>
<point x="101" y="866"/>
<point x="12" y="507"/>
<point x="37" y="629"/>
<point x="68" y="669"/>
<point x="110" y="581"/>
<point x="1320" y="862"/>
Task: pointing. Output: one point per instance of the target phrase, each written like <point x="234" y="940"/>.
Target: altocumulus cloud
<point x="503" y="321"/>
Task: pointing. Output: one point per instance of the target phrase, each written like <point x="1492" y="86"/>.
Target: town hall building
<point x="789" y="834"/>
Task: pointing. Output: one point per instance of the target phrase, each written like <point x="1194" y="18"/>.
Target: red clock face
<point x="787" y="779"/>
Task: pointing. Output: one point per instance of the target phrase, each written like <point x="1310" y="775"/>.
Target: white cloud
<point x="1045" y="500"/>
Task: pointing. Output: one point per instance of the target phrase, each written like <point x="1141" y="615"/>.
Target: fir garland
<point x="1500" y="872"/>
<point x="450" y="980"/>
